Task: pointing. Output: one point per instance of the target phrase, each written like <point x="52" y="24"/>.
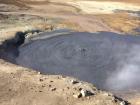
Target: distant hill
<point x="21" y="2"/>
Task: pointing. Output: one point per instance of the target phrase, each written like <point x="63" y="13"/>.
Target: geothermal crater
<point x="108" y="60"/>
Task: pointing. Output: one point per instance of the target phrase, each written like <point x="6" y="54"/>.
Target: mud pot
<point x="108" y="60"/>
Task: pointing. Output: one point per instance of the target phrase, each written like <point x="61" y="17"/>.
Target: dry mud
<point x="93" y="57"/>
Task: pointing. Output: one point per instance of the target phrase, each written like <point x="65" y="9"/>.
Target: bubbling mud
<point x="108" y="60"/>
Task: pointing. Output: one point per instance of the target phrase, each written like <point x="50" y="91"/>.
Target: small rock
<point x="83" y="92"/>
<point x="35" y="33"/>
<point x="53" y="89"/>
<point x="80" y="89"/>
<point x="74" y="82"/>
<point x="88" y="97"/>
<point x="58" y="77"/>
<point x="40" y="91"/>
<point x="43" y="85"/>
<point x="28" y="35"/>
<point x="114" y="99"/>
<point x="51" y="81"/>
<point x="40" y="80"/>
<point x="68" y="87"/>
<point x="108" y="94"/>
<point x="123" y="103"/>
<point x="50" y="85"/>
<point x="75" y="88"/>
<point x="77" y="95"/>
<point x="86" y="93"/>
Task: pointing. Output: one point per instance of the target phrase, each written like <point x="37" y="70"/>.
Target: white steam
<point x="127" y="75"/>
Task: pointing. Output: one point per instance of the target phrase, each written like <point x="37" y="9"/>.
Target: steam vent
<point x="109" y="60"/>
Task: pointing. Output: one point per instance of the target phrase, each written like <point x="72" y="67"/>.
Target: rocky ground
<point x="21" y="86"/>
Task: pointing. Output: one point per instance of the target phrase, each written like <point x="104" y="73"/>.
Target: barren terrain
<point x="22" y="86"/>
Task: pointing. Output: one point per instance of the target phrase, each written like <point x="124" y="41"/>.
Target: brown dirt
<point x="22" y="86"/>
<point x="121" y="22"/>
